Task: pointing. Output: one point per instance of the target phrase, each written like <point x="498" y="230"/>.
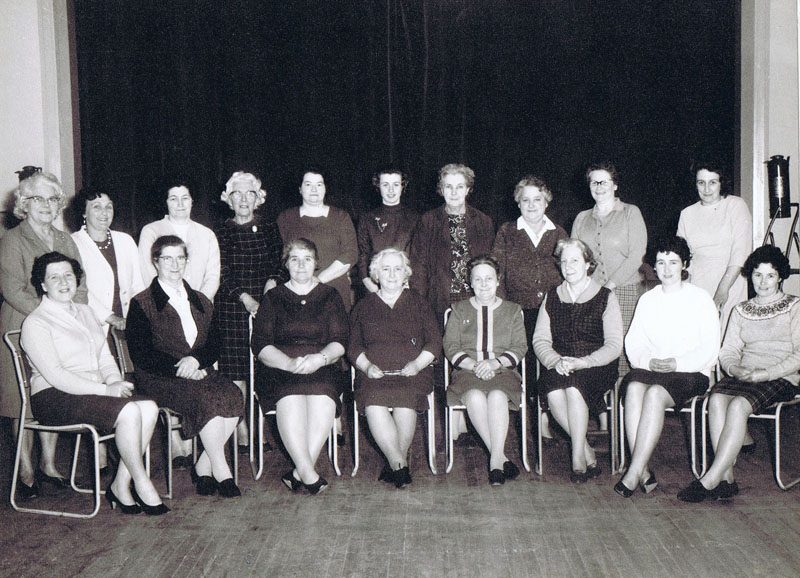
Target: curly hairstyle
<point x="253" y="183"/>
<point x="390" y="170"/>
<point x="39" y="269"/>
<point x="677" y="245"/>
<point x="586" y="252"/>
<point x="532" y="181"/>
<point x="456" y="169"/>
<point x="377" y="260"/>
<point x="32" y="187"/>
<point x="770" y="255"/>
<point x="299" y="243"/>
<point x="602" y="166"/>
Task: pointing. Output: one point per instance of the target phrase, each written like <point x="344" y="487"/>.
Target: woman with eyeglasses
<point x="173" y="345"/>
<point x="39" y="199"/>
<point x="616" y="234"/>
<point x="250" y="248"/>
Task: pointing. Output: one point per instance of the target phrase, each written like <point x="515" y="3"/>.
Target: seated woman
<point x="173" y="348"/>
<point x="578" y="340"/>
<point x="485" y="341"/>
<point x="761" y="356"/>
<point x="298" y="335"/>
<point x="672" y="345"/>
<point x="75" y="380"/>
<point x="394" y="338"/>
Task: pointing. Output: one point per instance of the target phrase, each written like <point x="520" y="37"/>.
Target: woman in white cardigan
<point x="110" y="258"/>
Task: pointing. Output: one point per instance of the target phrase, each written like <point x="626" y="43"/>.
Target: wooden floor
<point x="446" y="525"/>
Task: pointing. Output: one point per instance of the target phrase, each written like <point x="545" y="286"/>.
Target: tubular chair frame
<point x="21" y="369"/>
<point x="449" y="409"/>
<point x="431" y="428"/>
<point x="772" y="413"/>
<point x="257" y="468"/>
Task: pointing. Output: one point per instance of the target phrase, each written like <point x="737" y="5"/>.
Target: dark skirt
<point x="198" y="401"/>
<point x="592" y="383"/>
<point x="760" y="395"/>
<point x="55" y="407"/>
<point x="395" y="390"/>
<point x="273" y="384"/>
<point x="508" y="381"/>
<point x="681" y="386"/>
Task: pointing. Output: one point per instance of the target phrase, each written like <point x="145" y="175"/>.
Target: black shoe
<point x="244" y="449"/>
<point x="696" y="492"/>
<point x="26" y="492"/>
<point x="726" y="491"/>
<point x="340" y="440"/>
<point x="180" y="463"/>
<point x="593" y="471"/>
<point x="386" y="475"/>
<point x="290" y="481"/>
<point x="156" y="510"/>
<point x="228" y="489"/>
<point x="497" y="477"/>
<point x="623" y="490"/>
<point x="749" y="448"/>
<point x="578" y="477"/>
<point x="510" y="470"/>
<point x="206" y="486"/>
<point x="650" y="484"/>
<point x="57" y="482"/>
<point x="402" y="477"/>
<point x="114" y="501"/>
<point x="267" y="447"/>
<point x="317" y="486"/>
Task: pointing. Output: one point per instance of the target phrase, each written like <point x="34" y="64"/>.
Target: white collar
<point x="314" y="211"/>
<point x="534" y="236"/>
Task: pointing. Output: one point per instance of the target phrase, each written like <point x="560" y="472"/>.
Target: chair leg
<point x="523" y="416"/>
<point x="432" y="433"/>
<point x="448" y="424"/>
<point x="539" y="467"/>
<point x="778" y="478"/>
<point x="356" y="451"/>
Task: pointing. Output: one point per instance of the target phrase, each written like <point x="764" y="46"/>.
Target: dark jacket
<point x="155" y="336"/>
<point x="431" y="253"/>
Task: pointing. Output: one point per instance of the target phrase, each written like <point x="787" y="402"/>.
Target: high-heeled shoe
<point x="651" y="483"/>
<point x="402" y="477"/>
<point x="623" y="490"/>
<point x="228" y="489"/>
<point x="55" y="481"/>
<point x="510" y="470"/>
<point x="317" y="486"/>
<point x="593" y="471"/>
<point x="156" y="510"/>
<point x="386" y="475"/>
<point x="26" y="492"/>
<point x="206" y="486"/>
<point x="290" y="481"/>
<point x="114" y="501"/>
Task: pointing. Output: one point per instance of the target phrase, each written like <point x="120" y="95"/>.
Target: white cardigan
<point x="100" y="276"/>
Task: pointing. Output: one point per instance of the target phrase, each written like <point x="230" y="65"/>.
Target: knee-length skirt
<point x="760" y="395"/>
<point x="592" y="383"/>
<point x="197" y="401"/>
<point x="55" y="407"/>
<point x="506" y="380"/>
<point x="681" y="386"/>
<point x="273" y="384"/>
<point x="395" y="390"/>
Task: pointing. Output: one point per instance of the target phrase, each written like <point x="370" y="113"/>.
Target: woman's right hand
<point x="117" y="322"/>
<point x="374" y="372"/>
<point x="119" y="389"/>
<point x="249" y="303"/>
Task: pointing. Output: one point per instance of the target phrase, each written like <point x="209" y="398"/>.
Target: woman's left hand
<point x="663" y="365"/>
<point x="117" y="322"/>
<point x="755" y="375"/>
<point x="410" y="369"/>
<point x="720" y="297"/>
<point x="187" y="366"/>
<point x="270" y="284"/>
<point x="309" y="363"/>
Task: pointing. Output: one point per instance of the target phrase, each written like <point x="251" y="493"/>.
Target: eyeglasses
<point x="247" y="194"/>
<point x="39" y="201"/>
<point x="166" y="259"/>
<point x="601" y="184"/>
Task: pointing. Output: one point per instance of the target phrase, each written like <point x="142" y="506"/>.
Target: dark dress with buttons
<point x="299" y="325"/>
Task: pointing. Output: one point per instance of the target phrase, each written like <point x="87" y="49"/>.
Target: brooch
<point x="381" y="226"/>
<point x="255" y="228"/>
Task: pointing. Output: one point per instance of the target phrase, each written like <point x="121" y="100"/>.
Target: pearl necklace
<point x="107" y="243"/>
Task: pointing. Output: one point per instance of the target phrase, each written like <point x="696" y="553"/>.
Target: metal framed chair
<point x="431" y="429"/>
<point x="772" y="413"/>
<point x="170" y="419"/>
<point x="22" y="369"/>
<point x="523" y="413"/>
<point x="257" y="466"/>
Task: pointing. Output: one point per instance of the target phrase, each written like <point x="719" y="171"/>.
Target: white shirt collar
<point x="534" y="236"/>
<point x="314" y="212"/>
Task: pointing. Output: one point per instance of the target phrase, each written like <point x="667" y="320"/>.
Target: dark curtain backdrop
<point x="508" y="87"/>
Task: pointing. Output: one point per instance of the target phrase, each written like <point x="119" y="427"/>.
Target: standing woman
<point x="578" y="339"/>
<point x="390" y="225"/>
<point x="616" y="234"/>
<point x="446" y="239"/>
<point x="110" y="259"/>
<point x="329" y="228"/>
<point x="719" y="230"/>
<point x="672" y="345"/>
<point x="251" y="264"/>
<point x="202" y="272"/>
<point x="524" y="250"/>
<point x="38" y="201"/>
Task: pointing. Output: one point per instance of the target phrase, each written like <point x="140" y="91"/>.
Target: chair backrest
<point x="124" y="360"/>
<point x="22" y="367"/>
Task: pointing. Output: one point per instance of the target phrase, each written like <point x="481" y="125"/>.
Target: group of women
<point x="185" y="296"/>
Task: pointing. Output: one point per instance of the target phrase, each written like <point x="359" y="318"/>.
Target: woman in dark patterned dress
<point x="299" y="335"/>
<point x="761" y="357"/>
<point x="578" y="339"/>
<point x="173" y="347"/>
<point x="250" y="250"/>
<point x="394" y="338"/>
